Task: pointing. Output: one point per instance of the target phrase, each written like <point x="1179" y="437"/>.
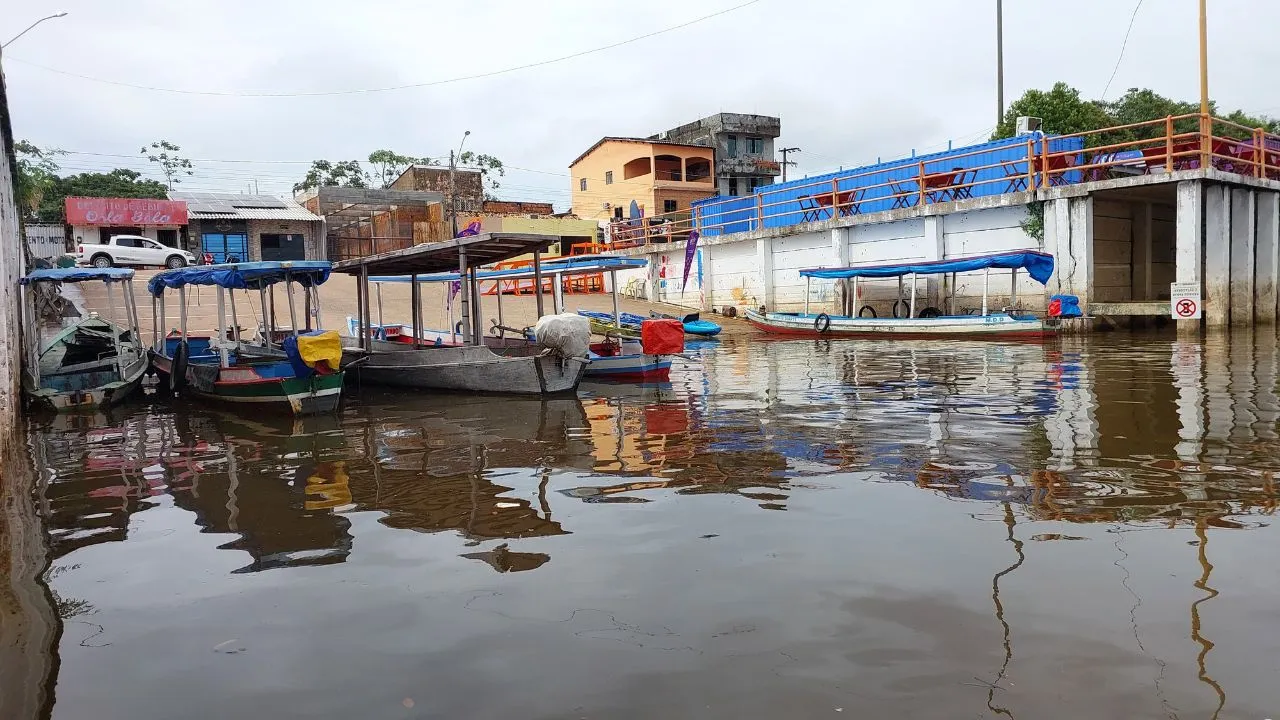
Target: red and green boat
<point x="294" y="369"/>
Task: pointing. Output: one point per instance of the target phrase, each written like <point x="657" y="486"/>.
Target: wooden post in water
<point x="537" y="279"/>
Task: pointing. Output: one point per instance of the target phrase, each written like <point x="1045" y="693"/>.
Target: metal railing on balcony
<point x="1013" y="165"/>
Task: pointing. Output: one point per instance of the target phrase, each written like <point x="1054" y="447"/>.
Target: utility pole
<point x="1206" y="125"/>
<point x="1000" y="61"/>
<point x="785" y="162"/>
<point x="453" y="169"/>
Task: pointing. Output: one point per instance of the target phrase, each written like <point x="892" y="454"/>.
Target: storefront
<point x="95" y="220"/>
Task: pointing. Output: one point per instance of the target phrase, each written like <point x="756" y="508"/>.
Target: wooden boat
<point x="1003" y="324"/>
<point x="226" y="368"/>
<point x="472" y="366"/>
<point x="95" y="362"/>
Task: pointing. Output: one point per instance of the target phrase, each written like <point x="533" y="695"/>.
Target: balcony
<point x="749" y="165"/>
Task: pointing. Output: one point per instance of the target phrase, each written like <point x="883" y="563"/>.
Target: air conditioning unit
<point x="1028" y="125"/>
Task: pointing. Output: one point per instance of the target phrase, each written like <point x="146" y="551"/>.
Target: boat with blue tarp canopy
<point x="243" y="276"/>
<point x="89" y="363"/>
<point x="298" y="368"/>
<point x="1037" y="264"/>
<point x="1009" y="322"/>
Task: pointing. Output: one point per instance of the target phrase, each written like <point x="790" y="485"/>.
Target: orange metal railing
<point x="1165" y="145"/>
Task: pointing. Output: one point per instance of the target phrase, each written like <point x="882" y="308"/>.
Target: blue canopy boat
<point x="92" y="363"/>
<point x="1002" y="324"/>
<point x="297" y="368"/>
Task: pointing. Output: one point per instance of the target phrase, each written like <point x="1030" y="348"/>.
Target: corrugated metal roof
<point x="233" y="206"/>
<point x="296" y="212"/>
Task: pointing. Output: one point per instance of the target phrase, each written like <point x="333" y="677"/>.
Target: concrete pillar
<point x="934" y="248"/>
<point x="1267" y="265"/>
<point x="764" y="266"/>
<point x="1078" y="275"/>
<point x="11" y="268"/>
<point x="1242" y="256"/>
<point x="708" y="279"/>
<point x="1217" y="256"/>
<point x="840" y="258"/>
<point x="1057" y="241"/>
<point x="1189" y="242"/>
<point x="1142" y="289"/>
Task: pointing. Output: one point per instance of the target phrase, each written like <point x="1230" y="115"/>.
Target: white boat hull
<point x="999" y="325"/>
<point x="469" y="369"/>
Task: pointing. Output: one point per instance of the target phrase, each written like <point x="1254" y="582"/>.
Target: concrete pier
<point x="1118" y="244"/>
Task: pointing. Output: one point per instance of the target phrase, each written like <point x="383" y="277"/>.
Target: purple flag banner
<point x="690" y="250"/>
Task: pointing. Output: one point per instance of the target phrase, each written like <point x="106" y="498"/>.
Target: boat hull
<point x="466" y="369"/>
<point x="89" y="400"/>
<point x="998" y="326"/>
<point x="84" y="385"/>
<point x="630" y="368"/>
<point x="243" y="385"/>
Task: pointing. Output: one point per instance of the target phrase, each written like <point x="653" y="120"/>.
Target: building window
<point x="755" y="182"/>
<point x="582" y="184"/>
<point x="733" y="147"/>
<point x="755" y="146"/>
<point x="733" y="187"/>
<point x="669" y="206"/>
<point x="617" y="213"/>
<point x="608" y="177"/>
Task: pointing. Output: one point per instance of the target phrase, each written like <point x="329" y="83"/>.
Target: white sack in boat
<point x="567" y="334"/>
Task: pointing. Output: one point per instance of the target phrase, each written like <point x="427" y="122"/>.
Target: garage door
<point x="283" y="247"/>
<point x="225" y="247"/>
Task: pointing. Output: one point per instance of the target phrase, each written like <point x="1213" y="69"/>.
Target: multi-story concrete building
<point x="744" y="148"/>
<point x="661" y="178"/>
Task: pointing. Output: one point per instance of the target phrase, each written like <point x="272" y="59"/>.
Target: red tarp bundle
<point x="662" y="337"/>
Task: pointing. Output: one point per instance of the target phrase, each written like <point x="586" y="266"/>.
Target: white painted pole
<point x="498" y="285"/>
<point x="1013" y="292"/>
<point x="235" y="318"/>
<point x="115" y="336"/>
<point x="293" y="314"/>
<point x="808" y="281"/>
<point x="855" y="309"/>
<point x="266" y="326"/>
<point x="377" y="288"/>
<point x="911" y="310"/>
<point x="182" y="311"/>
<point x="415" y="300"/>
<point x="155" y="325"/>
<point x="898" y="298"/>
<point x="613" y="282"/>
<point x="986" y="277"/>
<point x="223" y="356"/>
<point x="164" y="324"/>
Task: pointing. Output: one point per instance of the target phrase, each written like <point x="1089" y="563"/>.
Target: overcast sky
<point x="851" y="80"/>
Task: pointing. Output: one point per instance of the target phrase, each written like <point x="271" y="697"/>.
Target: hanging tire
<point x="930" y="312"/>
<point x="906" y="308"/>
<point x="867" y="311"/>
<point x="178" y="367"/>
<point x="457" y="327"/>
<point x="822" y="323"/>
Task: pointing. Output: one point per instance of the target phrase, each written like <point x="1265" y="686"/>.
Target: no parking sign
<point x="1184" y="301"/>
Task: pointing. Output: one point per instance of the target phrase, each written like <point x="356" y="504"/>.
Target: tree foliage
<point x="343" y="173"/>
<point x="388" y="165"/>
<point x="37" y="176"/>
<point x="1065" y="112"/>
<point x="172" y="165"/>
<point x="490" y="167"/>
<point x="121" y="182"/>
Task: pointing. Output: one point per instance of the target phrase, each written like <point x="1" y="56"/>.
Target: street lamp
<point x="24" y="32"/>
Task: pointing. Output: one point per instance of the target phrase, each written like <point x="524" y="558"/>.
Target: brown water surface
<point x="787" y="529"/>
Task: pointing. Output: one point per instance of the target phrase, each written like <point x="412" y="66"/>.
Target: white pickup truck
<point x="131" y="250"/>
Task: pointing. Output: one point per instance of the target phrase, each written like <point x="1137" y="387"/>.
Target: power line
<point x="429" y="83"/>
<point x="1123" y="45"/>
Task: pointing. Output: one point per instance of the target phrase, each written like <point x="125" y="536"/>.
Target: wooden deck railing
<point x="1157" y="146"/>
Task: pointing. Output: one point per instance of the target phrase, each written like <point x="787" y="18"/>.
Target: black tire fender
<point x="930" y="312"/>
<point x="822" y="323"/>
<point x="178" y="367"/>
<point x="867" y="311"/>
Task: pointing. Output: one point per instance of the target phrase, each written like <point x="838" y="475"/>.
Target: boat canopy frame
<point x="1037" y="264"/>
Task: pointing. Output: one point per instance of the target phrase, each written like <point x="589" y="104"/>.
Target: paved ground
<point x="338" y="301"/>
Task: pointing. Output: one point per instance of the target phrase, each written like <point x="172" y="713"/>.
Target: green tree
<point x="323" y="173"/>
<point x="172" y="165"/>
<point x="1063" y="110"/>
<point x="490" y="167"/>
<point x="37" y="176"/>
<point x="388" y="165"/>
<point x="120" y="182"/>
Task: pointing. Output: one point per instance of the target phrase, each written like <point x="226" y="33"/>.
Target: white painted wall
<point x="735" y="279"/>
<point x="790" y="256"/>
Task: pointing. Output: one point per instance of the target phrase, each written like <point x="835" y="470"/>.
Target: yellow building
<point x="660" y="177"/>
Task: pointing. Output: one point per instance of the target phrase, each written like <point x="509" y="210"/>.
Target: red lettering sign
<point x="125" y="211"/>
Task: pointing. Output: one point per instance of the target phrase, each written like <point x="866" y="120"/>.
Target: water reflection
<point x="877" y="461"/>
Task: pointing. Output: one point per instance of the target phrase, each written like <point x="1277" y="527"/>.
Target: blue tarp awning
<point x="78" y="275"/>
<point x="1039" y="265"/>
<point x="579" y="265"/>
<point x="242" y="276"/>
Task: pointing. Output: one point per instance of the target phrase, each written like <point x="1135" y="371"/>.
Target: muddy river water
<point x="1081" y="529"/>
